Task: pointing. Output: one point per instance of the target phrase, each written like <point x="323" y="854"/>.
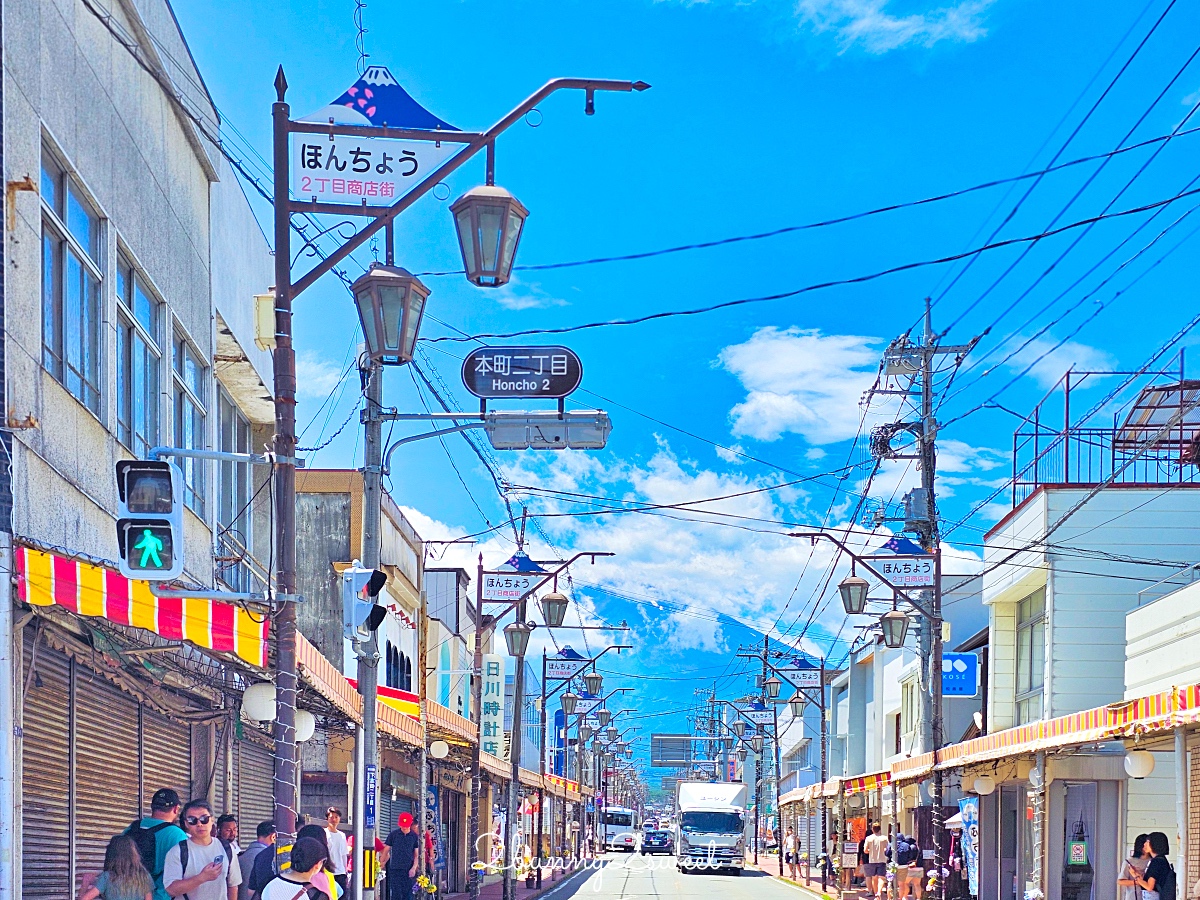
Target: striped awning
<point x="860" y="784"/>
<point x="914" y="768"/>
<point x="46" y="579"/>
<point x="404" y="702"/>
<point x="561" y="785"/>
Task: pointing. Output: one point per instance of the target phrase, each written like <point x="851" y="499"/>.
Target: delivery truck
<point x="711" y="826"/>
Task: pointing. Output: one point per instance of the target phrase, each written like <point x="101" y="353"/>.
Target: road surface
<point x="626" y="876"/>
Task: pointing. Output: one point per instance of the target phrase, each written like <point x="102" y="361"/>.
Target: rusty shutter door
<point x="255" y="785"/>
<point x="166" y="755"/>
<point x="46" y="775"/>
<point x="106" y="767"/>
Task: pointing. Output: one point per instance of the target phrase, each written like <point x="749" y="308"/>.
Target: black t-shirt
<point x="403" y="847"/>
<point x="1164" y="877"/>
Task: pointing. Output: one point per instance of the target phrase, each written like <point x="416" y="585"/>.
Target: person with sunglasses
<point x="200" y="868"/>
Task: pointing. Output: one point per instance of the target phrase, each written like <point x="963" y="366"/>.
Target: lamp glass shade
<point x="439" y="749"/>
<point x="611" y="733"/>
<point x="554" y="609"/>
<point x="854" y="594"/>
<point x="895" y="629"/>
<point x="797" y="706"/>
<point x="757" y="744"/>
<point x="516" y="635"/>
<point x="603" y="716"/>
<point x="569" y="702"/>
<point x="741" y="754"/>
<point x="1139" y="763"/>
<point x="585" y="732"/>
<point x="258" y="701"/>
<point x="489" y="222"/>
<point x="628" y="752"/>
<point x="984" y="785"/>
<point x="772" y="686"/>
<point x="738" y="727"/>
<point x="593" y="681"/>
<point x="306" y="725"/>
<point x="391" y="303"/>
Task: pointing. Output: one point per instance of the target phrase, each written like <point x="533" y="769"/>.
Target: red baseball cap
<point x="405" y="820"/>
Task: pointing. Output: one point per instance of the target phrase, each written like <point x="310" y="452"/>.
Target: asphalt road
<point x="626" y="876"/>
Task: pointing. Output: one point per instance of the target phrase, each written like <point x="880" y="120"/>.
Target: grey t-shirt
<point x="199" y="856"/>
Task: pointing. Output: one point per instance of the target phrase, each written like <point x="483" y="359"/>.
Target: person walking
<point x="404" y="844"/>
<point x="124" y="877"/>
<point x="910" y="874"/>
<point x="875" y="847"/>
<point x="338" y="850"/>
<point x="295" y="882"/>
<point x="1133" y="867"/>
<point x="264" y="840"/>
<point x="789" y="853"/>
<point x="1158" y="882"/>
<point x="156" y="834"/>
<point x="200" y="867"/>
<point x="323" y="879"/>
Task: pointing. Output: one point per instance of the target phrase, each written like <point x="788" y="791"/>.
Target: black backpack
<point x="906" y="853"/>
<point x="146" y="839"/>
<point x="1166" y="890"/>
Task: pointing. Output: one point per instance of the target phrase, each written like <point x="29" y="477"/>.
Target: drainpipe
<point x="9" y="816"/>
<point x="1183" y="877"/>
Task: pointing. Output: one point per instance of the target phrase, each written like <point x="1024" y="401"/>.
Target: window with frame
<point x="138" y="356"/>
<point x="234" y="491"/>
<point x="1031" y="656"/>
<point x="188" y="376"/>
<point x="910" y="707"/>
<point x="72" y="273"/>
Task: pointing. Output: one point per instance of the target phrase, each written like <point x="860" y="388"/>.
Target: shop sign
<point x="491" y="719"/>
<point x="454" y="780"/>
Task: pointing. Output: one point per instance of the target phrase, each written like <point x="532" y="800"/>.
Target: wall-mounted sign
<point x="491" y="718"/>
<point x="493" y="373"/>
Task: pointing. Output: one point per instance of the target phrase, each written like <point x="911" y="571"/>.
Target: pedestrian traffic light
<point x="361" y="615"/>
<point x="150" y="519"/>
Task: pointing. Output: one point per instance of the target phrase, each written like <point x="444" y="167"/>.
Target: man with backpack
<point x="909" y="872"/>
<point x="199" y="867"/>
<point x="156" y="834"/>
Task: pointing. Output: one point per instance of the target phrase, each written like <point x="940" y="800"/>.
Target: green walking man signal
<point x="150" y="519"/>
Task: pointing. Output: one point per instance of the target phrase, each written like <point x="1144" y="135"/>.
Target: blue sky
<point x="762" y="115"/>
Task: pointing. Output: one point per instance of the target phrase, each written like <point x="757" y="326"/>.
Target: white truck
<point x="710" y="826"/>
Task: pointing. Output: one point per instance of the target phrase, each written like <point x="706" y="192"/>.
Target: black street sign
<point x="493" y="373"/>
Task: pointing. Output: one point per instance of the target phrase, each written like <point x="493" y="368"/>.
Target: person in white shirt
<point x="208" y="871"/>
<point x="338" y="850"/>
<point x="789" y="853"/>
<point x="307" y="857"/>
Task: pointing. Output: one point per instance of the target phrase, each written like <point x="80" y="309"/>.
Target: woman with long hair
<point x="1133" y="867"/>
<point x="124" y="877"/>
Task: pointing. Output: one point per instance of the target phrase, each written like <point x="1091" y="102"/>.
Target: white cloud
<point x="517" y="297"/>
<point x="732" y="454"/>
<point x="316" y="376"/>
<point x="801" y="381"/>
<point x="871" y="25"/>
<point x="1191" y="99"/>
<point x="1047" y="362"/>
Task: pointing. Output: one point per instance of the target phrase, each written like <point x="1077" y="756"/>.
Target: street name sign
<point x="507" y="585"/>
<point x="564" y="668"/>
<point x="758" y="716"/>
<point x="341" y="168"/>
<point x="960" y="674"/>
<point x="493" y="373"/>
<point x="905" y="571"/>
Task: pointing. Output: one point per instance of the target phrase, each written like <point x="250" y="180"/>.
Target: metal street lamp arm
<point x="479" y="142"/>
<point x="903" y="595"/>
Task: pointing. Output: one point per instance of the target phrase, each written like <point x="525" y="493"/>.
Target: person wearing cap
<point x="164" y="813"/>
<point x="403" y="844"/>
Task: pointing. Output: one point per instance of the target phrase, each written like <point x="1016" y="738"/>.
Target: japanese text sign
<point x="905" y="571"/>
<point x="560" y="669"/>
<point x="491" y="710"/>
<point x="758" y="716"/>
<point x="494" y="372"/>
<point x="352" y="170"/>
<point x="507" y="585"/>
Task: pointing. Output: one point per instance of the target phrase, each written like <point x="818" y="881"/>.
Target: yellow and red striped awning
<point x="863" y="783"/>
<point x="405" y="702"/>
<point x="46" y="579"/>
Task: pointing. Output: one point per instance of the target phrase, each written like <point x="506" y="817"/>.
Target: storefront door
<point x="1016" y="842"/>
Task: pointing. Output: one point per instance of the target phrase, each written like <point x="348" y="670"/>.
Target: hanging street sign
<point x="559" y="669"/>
<point x="493" y="373"/>
<point x="905" y="571"/>
<point x="346" y="169"/>
<point x="758" y="716"/>
<point x="508" y="585"/>
<point x="802" y="674"/>
<point x="960" y="674"/>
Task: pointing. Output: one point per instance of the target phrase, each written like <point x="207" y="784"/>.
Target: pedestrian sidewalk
<point x="493" y="885"/>
<point x="769" y="865"/>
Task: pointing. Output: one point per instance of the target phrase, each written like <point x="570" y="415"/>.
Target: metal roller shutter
<point x="255" y="780"/>
<point x="46" y="776"/>
<point x="106" y="767"/>
<point x="166" y="755"/>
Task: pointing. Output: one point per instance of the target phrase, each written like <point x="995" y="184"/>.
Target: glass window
<point x="235" y="491"/>
<point x="1031" y="656"/>
<point x="71" y="279"/>
<point x="138" y="355"/>
<point x="188" y="377"/>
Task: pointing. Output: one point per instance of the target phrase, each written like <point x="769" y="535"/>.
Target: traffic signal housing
<point x="150" y="519"/>
<point x="361" y="615"/>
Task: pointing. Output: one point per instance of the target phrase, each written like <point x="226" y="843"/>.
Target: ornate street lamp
<point x="585" y="732"/>
<point x="390" y="302"/>
<point x="516" y="635"/>
<point x="854" y="594"/>
<point x="738" y="727"/>
<point x="895" y="628"/>
<point x="592" y="681"/>
<point x="797" y="706"/>
<point x="569" y="702"/>
<point x="603" y="716"/>
<point x="629" y="753"/>
<point x="611" y="734"/>
<point x="772" y="686"/>
<point x="489" y="221"/>
<point x="756" y="744"/>
<point x="741" y="754"/>
<point x="554" y="608"/>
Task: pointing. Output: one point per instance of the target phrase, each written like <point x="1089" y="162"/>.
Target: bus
<point x="620" y="828"/>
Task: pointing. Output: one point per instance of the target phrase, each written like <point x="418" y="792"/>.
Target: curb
<point x="807" y="891"/>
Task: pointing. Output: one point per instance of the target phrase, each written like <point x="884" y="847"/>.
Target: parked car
<point x="655" y="840"/>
